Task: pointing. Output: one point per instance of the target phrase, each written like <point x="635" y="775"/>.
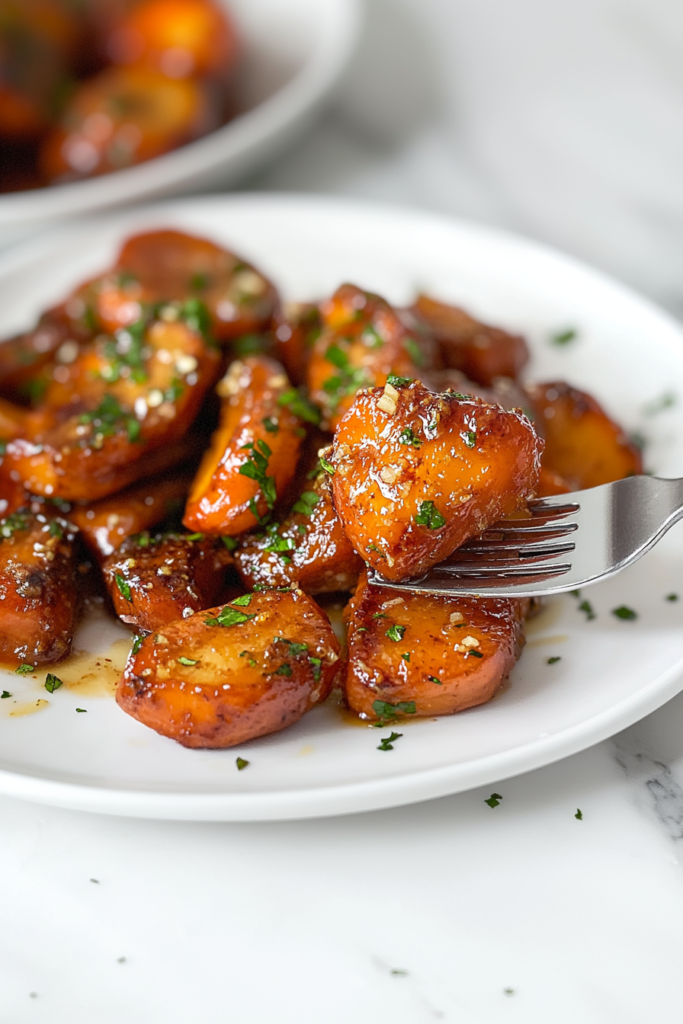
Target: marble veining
<point x="664" y="793"/>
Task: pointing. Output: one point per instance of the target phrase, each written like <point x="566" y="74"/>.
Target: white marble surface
<point x="560" y="121"/>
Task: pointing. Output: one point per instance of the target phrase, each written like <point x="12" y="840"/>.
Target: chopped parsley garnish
<point x="300" y="406"/>
<point x="380" y="615"/>
<point x="52" y="682"/>
<point x="469" y="437"/>
<point x="395" y="632"/>
<point x="579" y="814"/>
<point x="137" y="644"/>
<point x="474" y="654"/>
<point x="199" y="282"/>
<point x="371" y="336"/>
<point x="255" y="468"/>
<point x="316" y="664"/>
<point x="285" y="669"/>
<point x="406" y="657"/>
<point x="109" y="416"/>
<point x="306" y="503"/>
<point x="428" y="515"/>
<point x="56" y="530"/>
<point x="493" y="800"/>
<point x="24" y="670"/>
<point x="126" y="354"/>
<point x="82" y="711"/>
<point x="278" y="545"/>
<point x="564" y="337"/>
<point x="242" y="602"/>
<point x="229" y="617"/>
<point x="13" y="522"/>
<point x="124" y="587"/>
<point x="414" y="351"/>
<point x="327" y="466"/>
<point x="125" y="278"/>
<point x="348" y="380"/>
<point x="271" y="425"/>
<point x="399" y="382"/>
<point x="553" y="661"/>
<point x="387" y="742"/>
<point x="195" y="314"/>
<point x="194" y="536"/>
<point x="435" y="679"/>
<point x="249" y="345"/>
<point x="587" y="608"/>
<point x="407" y="436"/>
<point x="188" y="662"/>
<point x="664" y="401"/>
<point x="671" y="597"/>
<point x="241" y="764"/>
<point x="5" y="694"/>
<point x="624" y="612"/>
<point x="386" y="711"/>
<point x="229" y="542"/>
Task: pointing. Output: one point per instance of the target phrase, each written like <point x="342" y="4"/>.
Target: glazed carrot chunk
<point x="230" y="674"/>
<point x="38" y="594"/>
<point x="105" y="524"/>
<point x="179" y="38"/>
<point x="582" y="444"/>
<point x="309" y="548"/>
<point x="417" y="474"/>
<point x="153" y="580"/>
<point x="420" y="655"/>
<point x="480" y="351"/>
<point x="156" y="266"/>
<point x="295" y="333"/>
<point x="106" y="414"/>
<point x="121" y="117"/>
<point x="363" y="340"/>
<point x="254" y="452"/>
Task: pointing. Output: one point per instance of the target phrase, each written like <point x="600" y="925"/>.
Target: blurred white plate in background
<point x="295" y="51"/>
<point x="611" y="672"/>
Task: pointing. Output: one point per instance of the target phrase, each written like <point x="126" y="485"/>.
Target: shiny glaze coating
<point x="254" y="422"/>
<point x="442" y="639"/>
<point x="363" y="340"/>
<point x="25" y="355"/>
<point x="38" y="592"/>
<point x="154" y="580"/>
<point x="156" y="266"/>
<point x="417" y="474"/>
<point x="309" y="548"/>
<point x="100" y="421"/>
<point x="582" y="444"/>
<point x="105" y="524"/>
<point x="249" y="679"/>
<point x="295" y="330"/>
<point x="480" y="351"/>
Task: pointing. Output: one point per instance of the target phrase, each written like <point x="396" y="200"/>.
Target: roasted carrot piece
<point x="56" y="338"/>
<point x="417" y="474"/>
<point x="480" y="351"/>
<point x="179" y="38"/>
<point x="309" y="548"/>
<point x="120" y="401"/>
<point x="422" y="655"/>
<point x="254" y="452"/>
<point x="38" y="593"/>
<point x="153" y="580"/>
<point x="363" y="341"/>
<point x="582" y="444"/>
<point x="156" y="266"/>
<point x="296" y="330"/>
<point x="123" y="116"/>
<point x="230" y="674"/>
<point x="105" y="524"/>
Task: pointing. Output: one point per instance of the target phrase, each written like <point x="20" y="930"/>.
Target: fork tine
<point x="509" y="553"/>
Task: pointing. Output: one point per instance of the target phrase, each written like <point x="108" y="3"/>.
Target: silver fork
<point x="568" y="541"/>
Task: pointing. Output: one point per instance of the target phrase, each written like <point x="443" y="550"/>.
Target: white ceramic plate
<point x="295" y="51"/>
<point x="611" y="672"/>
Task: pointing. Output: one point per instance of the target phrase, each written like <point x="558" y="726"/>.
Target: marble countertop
<point x="557" y="121"/>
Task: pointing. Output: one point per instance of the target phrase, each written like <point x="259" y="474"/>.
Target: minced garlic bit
<point x="394" y="601"/>
<point x="231" y="384"/>
<point x="470" y="641"/>
<point x="387" y="402"/>
<point x="389" y="474"/>
<point x="456" y="617"/>
<point x="249" y="282"/>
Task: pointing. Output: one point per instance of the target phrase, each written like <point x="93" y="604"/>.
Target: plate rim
<point x="367" y="795"/>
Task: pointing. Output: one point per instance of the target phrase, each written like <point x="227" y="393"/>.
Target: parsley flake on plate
<point x="493" y="800"/>
<point x="52" y="682"/>
<point x="624" y="612"/>
<point x="387" y="742"/>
